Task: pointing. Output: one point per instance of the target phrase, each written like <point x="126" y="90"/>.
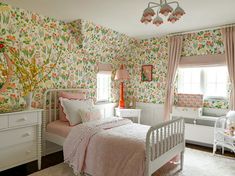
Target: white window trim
<point x="203" y="88"/>
<point x="97" y="89"/>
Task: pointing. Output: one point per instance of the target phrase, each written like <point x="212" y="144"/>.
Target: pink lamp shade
<point x="122" y="74"/>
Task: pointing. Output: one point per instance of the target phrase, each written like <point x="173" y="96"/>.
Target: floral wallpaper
<point x="203" y="43"/>
<point x="154" y="51"/>
<point x="82" y="43"/>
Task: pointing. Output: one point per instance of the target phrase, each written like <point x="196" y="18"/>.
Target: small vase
<point x="28" y="100"/>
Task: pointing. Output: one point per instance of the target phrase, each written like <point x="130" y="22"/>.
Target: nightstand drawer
<point x="17" y="136"/>
<point x="129" y="113"/>
<point x="23" y="119"/>
<point x="3" y="122"/>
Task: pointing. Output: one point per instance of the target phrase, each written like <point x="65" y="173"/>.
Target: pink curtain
<point x="174" y="55"/>
<point x="229" y="45"/>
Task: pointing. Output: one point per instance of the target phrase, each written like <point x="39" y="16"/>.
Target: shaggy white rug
<point x="196" y="163"/>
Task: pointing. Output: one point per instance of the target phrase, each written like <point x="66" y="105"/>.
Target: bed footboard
<point x="163" y="142"/>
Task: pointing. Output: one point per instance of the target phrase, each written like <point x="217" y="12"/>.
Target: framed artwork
<point x="146" y="72"/>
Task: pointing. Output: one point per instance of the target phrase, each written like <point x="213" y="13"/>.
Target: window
<point x="189" y="80"/>
<point x="209" y="81"/>
<point x="103" y="87"/>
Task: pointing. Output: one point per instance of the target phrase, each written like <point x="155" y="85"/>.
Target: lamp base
<point x="121" y="104"/>
<point x="121" y="101"/>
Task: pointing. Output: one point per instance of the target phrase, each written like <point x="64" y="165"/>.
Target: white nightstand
<point x="132" y="113"/>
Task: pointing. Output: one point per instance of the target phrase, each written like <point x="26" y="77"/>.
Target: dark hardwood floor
<point x="56" y="158"/>
<point x="29" y="168"/>
<point x="209" y="149"/>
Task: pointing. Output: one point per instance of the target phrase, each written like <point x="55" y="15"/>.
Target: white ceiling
<point x="124" y="15"/>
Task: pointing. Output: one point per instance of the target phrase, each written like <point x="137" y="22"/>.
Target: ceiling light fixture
<point x="163" y="8"/>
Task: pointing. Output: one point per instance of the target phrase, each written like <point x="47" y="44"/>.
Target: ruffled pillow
<point x="71" y="109"/>
<point x="70" y="96"/>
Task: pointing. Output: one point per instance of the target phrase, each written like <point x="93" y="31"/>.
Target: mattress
<point x="59" y="128"/>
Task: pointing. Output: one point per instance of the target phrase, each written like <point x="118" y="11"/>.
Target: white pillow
<point x="71" y="109"/>
<point x="90" y="114"/>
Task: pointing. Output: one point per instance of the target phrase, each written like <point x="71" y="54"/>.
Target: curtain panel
<point x="174" y="55"/>
<point x="229" y="45"/>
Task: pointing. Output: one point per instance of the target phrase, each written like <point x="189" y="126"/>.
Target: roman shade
<point x="203" y="61"/>
<point x="104" y="68"/>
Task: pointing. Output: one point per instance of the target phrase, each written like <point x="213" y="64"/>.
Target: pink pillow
<point x="70" y="96"/>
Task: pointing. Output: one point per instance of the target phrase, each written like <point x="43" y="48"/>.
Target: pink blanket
<point x="109" y="147"/>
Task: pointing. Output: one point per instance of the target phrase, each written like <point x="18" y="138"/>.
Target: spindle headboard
<point x="50" y="106"/>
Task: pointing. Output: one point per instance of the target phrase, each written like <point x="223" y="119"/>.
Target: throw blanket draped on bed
<point x="109" y="147"/>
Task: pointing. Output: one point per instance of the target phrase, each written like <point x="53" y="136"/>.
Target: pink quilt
<point x="108" y="147"/>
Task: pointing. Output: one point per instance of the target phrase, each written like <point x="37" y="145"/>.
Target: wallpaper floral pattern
<point x="82" y="49"/>
<point x="84" y="45"/>
<point x="154" y="51"/>
<point x="203" y="43"/>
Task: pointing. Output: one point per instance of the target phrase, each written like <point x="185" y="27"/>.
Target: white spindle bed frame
<point x="163" y="141"/>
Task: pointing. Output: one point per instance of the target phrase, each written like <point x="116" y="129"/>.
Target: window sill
<point x="215" y="98"/>
<point x="103" y="102"/>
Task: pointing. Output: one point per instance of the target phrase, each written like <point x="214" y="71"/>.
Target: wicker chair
<point x="221" y="135"/>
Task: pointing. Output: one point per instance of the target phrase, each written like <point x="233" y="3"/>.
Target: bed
<point x="161" y="142"/>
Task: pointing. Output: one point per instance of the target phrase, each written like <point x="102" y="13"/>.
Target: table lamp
<point x="122" y="75"/>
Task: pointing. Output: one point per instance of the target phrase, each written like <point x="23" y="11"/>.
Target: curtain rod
<point x="199" y="30"/>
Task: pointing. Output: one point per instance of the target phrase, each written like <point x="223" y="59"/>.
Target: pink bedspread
<point x="109" y="147"/>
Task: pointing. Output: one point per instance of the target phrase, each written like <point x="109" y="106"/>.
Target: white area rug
<point x="196" y="163"/>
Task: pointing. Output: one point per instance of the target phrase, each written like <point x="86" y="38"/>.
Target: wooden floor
<point x="209" y="149"/>
<point x="56" y="158"/>
<point x="29" y="168"/>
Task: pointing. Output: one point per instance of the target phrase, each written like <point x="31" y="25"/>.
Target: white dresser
<point x="20" y="138"/>
<point x="129" y="113"/>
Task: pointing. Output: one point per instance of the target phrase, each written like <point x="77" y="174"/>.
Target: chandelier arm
<point x="158" y="11"/>
<point x="174" y="2"/>
<point x="154" y="4"/>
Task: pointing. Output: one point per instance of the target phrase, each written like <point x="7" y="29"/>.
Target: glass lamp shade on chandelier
<point x="122" y="75"/>
<point x="163" y="8"/>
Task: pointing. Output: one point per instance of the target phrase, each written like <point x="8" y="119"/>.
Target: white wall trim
<point x="151" y="114"/>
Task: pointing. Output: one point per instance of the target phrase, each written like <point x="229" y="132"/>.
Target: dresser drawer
<point x="23" y="119"/>
<point x="3" y="122"/>
<point x="17" y="154"/>
<point x="17" y="136"/>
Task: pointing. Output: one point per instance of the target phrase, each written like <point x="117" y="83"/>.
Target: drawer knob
<point x="28" y="151"/>
<point x="26" y="134"/>
<point x="23" y="119"/>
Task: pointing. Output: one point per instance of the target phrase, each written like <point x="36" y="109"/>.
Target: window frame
<point x="203" y="84"/>
<point x="98" y="100"/>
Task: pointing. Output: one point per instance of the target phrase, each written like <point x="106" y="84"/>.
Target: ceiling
<point x="124" y="15"/>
